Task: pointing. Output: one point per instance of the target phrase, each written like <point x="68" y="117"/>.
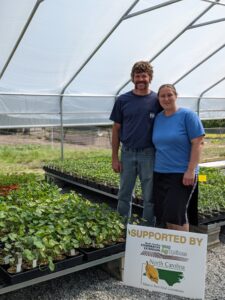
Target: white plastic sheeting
<point x="65" y="61"/>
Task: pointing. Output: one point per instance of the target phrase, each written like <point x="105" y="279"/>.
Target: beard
<point x="145" y="83"/>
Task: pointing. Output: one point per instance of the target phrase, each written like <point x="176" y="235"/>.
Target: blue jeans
<point x="137" y="163"/>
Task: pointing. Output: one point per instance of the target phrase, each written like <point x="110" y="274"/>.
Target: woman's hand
<point x="196" y="148"/>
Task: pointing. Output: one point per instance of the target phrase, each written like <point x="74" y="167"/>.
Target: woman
<point x="178" y="138"/>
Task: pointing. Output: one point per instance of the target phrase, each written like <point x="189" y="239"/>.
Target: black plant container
<point x="39" y="271"/>
<point x="214" y="217"/>
<point x="93" y="253"/>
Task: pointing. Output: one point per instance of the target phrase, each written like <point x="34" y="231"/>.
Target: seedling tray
<point x="39" y="271"/>
<point x="112" y="191"/>
<point x="212" y="218"/>
<point x="93" y="254"/>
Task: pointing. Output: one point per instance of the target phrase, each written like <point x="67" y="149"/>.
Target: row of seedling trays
<point x="204" y="217"/>
<point x="43" y="230"/>
<point x="23" y="272"/>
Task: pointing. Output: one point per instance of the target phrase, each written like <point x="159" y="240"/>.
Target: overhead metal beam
<point x="217" y="2"/>
<point x="141" y="12"/>
<point x="55" y="125"/>
<point x="199" y="64"/>
<point x="99" y="45"/>
<point x="57" y="95"/>
<point x="55" y="113"/>
<point x="77" y="95"/>
<point x="207" y="23"/>
<point x="170" y="42"/>
<point x="21" y="36"/>
<point x="205" y="91"/>
<point x="85" y="63"/>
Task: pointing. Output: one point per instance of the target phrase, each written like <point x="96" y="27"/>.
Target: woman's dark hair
<point x="168" y="85"/>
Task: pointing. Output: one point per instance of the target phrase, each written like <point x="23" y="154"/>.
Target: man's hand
<point x="189" y="177"/>
<point x="116" y="165"/>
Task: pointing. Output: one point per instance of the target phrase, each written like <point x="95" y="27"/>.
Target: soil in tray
<point x="39" y="271"/>
<point x="93" y="253"/>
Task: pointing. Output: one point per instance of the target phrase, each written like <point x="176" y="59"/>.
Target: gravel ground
<point x="96" y="284"/>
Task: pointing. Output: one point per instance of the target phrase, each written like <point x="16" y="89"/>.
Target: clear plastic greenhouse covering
<point x="66" y="61"/>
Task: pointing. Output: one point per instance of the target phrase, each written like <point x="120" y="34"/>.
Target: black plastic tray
<point x="85" y="181"/>
<point x="40" y="271"/>
<point x="93" y="254"/>
<point x="213" y="218"/>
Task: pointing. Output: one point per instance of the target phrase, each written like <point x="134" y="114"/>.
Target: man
<point x="133" y="115"/>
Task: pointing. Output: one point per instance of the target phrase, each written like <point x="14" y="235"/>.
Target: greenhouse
<point x="63" y="63"/>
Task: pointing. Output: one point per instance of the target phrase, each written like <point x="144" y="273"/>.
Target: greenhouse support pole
<point x="141" y="12"/>
<point x="217" y="2"/>
<point x="61" y="128"/>
<point x="208" y="23"/>
<point x="99" y="46"/>
<point x="205" y="91"/>
<point x="83" y="65"/>
<point x="20" y="37"/>
<point x="52" y="137"/>
<point x="198" y="64"/>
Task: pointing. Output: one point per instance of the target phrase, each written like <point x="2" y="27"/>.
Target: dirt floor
<point x="21" y="139"/>
<point x="213" y="150"/>
<point x="18" y="139"/>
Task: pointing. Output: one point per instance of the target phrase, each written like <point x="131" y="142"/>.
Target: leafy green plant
<point x="40" y="223"/>
<point x="98" y="169"/>
<point x="212" y="192"/>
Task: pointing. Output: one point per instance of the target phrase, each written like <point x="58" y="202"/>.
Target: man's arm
<point x="196" y="149"/>
<point x="116" y="165"/>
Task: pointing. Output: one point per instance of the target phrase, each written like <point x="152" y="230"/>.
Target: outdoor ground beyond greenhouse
<point x="28" y="153"/>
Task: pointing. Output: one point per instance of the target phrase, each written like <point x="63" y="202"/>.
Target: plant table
<point x="6" y="288"/>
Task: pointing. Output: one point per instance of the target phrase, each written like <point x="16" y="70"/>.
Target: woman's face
<point x="167" y="99"/>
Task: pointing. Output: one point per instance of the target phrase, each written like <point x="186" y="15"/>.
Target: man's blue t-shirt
<point x="172" y="137"/>
<point x="136" y="114"/>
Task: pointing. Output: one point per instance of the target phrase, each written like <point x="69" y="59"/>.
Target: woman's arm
<point x="196" y="149"/>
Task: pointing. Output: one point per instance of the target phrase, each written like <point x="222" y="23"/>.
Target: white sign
<point x="167" y="261"/>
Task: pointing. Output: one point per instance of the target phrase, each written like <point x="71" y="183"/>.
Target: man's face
<point x="141" y="81"/>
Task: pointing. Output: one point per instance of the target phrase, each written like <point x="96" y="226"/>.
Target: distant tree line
<point x="213" y="123"/>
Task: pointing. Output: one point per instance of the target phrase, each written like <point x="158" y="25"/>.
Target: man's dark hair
<point x="142" y="66"/>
